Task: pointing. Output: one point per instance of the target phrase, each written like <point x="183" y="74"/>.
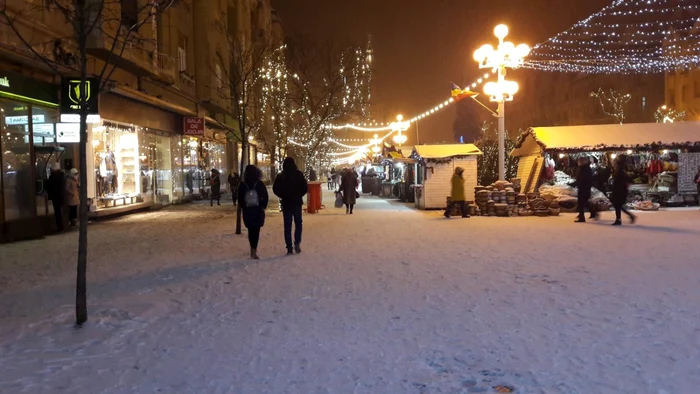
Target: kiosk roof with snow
<point x="636" y="136"/>
<point x="445" y="151"/>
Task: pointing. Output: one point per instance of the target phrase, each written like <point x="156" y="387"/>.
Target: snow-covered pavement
<point x="389" y="300"/>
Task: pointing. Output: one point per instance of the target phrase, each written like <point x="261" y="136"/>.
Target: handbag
<point x="338" y="200"/>
<point x="357" y="194"/>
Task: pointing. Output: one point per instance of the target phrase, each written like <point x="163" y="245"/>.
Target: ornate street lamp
<point x="399" y="126"/>
<point x="505" y="56"/>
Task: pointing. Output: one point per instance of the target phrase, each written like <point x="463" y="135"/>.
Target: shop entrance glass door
<point x="17" y="180"/>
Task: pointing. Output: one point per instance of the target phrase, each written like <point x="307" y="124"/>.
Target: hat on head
<point x="74" y="171"/>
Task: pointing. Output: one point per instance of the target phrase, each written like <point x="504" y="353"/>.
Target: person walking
<point x="291" y="187"/>
<point x="457" y="195"/>
<point x="234" y="180"/>
<point x="619" y="190"/>
<point x="253" y="199"/>
<point x="56" y="190"/>
<point x="215" y="183"/>
<point x="584" y="182"/>
<point x="329" y="178"/>
<point x="348" y="187"/>
<point x="312" y="175"/>
<point x="73" y="196"/>
<point x="697" y="183"/>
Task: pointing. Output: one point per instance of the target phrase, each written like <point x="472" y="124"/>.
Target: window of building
<point x="219" y="77"/>
<point x="130" y="12"/>
<point x="182" y="59"/>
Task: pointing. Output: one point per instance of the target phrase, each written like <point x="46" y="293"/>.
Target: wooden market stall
<point x="664" y="157"/>
<point x="434" y="169"/>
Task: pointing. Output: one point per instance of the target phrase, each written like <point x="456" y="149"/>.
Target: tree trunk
<point x="81" y="315"/>
<point x="244" y="156"/>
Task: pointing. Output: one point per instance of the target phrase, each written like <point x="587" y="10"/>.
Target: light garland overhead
<point x="362" y="126"/>
<point x="628" y="36"/>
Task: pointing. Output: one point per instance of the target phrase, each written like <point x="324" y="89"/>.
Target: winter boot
<point x="297" y="248"/>
<point x="254" y="254"/>
<point x="618" y="222"/>
<point x="290" y="251"/>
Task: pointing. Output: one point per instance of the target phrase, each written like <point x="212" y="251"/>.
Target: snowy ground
<point x="389" y="300"/>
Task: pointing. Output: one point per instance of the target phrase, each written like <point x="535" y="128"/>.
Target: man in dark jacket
<point x="584" y="182"/>
<point x="291" y="186"/>
<point x="55" y="188"/>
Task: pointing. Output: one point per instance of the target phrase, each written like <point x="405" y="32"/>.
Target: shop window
<point x="117" y="156"/>
<point x="17" y="180"/>
<point x="193" y="175"/>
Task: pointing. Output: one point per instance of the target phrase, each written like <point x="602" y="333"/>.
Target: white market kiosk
<point x="682" y="138"/>
<point x="434" y="169"/>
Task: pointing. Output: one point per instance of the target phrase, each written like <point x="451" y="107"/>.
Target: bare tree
<point x="85" y="22"/>
<point x="243" y="86"/>
<point x="329" y="87"/>
<point x="612" y="103"/>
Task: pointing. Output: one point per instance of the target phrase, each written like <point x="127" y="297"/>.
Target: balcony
<point x="137" y="56"/>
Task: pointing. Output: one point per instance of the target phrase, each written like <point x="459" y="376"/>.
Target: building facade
<point x="171" y="65"/>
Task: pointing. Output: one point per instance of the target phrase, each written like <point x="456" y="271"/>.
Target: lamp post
<point x="505" y="56"/>
<point x="400" y="126"/>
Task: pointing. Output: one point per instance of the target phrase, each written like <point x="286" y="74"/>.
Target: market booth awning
<point x="445" y="151"/>
<point x="610" y="137"/>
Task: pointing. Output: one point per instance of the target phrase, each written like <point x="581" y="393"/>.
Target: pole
<point x="501" y="128"/>
<point x="501" y="141"/>
<point x="417" y="134"/>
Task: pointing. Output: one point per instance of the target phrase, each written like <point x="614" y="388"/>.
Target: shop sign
<point x="17" y="120"/>
<point x="41" y="129"/>
<point x="67" y="132"/>
<point x="75" y="118"/>
<point x="71" y="95"/>
<point x="19" y="87"/>
<point x="194" y="126"/>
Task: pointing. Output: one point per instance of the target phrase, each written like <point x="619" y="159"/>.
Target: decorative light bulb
<point x="501" y="31"/>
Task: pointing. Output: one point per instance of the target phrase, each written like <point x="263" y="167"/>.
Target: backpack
<point x="251" y="197"/>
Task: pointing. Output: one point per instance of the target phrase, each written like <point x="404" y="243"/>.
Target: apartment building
<point x="683" y="92"/>
<point x="169" y="69"/>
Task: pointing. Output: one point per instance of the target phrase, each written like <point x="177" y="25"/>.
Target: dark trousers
<point x="72" y="213"/>
<point x="292" y="214"/>
<point x="462" y="208"/>
<point x="349" y="208"/>
<point x="58" y="214"/>
<point x="619" y="208"/>
<point x="215" y="196"/>
<point x="582" y="204"/>
<point x="234" y="196"/>
<point x="253" y="237"/>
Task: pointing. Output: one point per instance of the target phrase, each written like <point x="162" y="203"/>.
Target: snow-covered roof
<point x="445" y="151"/>
<point x="609" y="137"/>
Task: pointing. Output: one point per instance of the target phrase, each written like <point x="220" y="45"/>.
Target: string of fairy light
<point x="628" y="36"/>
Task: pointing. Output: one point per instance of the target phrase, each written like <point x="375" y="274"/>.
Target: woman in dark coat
<point x="619" y="190"/>
<point x="215" y="182"/>
<point x="233" y="181"/>
<point x="584" y="182"/>
<point x="253" y="198"/>
<point x="348" y="187"/>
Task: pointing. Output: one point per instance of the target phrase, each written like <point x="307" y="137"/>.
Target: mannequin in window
<point x="109" y="164"/>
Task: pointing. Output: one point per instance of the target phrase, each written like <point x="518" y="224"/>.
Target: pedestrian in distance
<point x="253" y="199"/>
<point x="329" y="179"/>
<point x="56" y="190"/>
<point x="73" y="196"/>
<point x="457" y="195"/>
<point x="291" y="187"/>
<point x="348" y="187"/>
<point x="584" y="182"/>
<point x="312" y="175"/>
<point x="234" y="180"/>
<point x="619" y="190"/>
<point x="215" y="183"/>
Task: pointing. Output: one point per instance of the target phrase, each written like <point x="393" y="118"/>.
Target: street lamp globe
<point x="501" y="31"/>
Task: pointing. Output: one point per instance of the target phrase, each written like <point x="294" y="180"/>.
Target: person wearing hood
<point x="348" y="189"/>
<point x="56" y="190"/>
<point x="215" y="183"/>
<point x="291" y="187"/>
<point x="73" y="196"/>
<point x="584" y="182"/>
<point x="457" y="195"/>
<point x="253" y="199"/>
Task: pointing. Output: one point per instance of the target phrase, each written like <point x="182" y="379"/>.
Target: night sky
<point x="420" y="46"/>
